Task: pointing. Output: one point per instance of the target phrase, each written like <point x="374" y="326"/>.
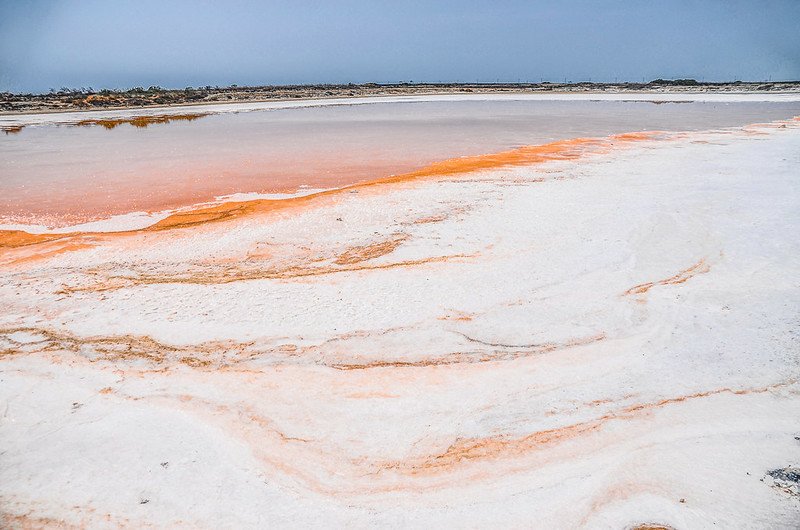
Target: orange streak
<point x="56" y="248"/>
<point x="522" y="156"/>
<point x="229" y="275"/>
<point x="18" y="238"/>
<point x="368" y="252"/>
<point x="700" y="267"/>
<point x="502" y="446"/>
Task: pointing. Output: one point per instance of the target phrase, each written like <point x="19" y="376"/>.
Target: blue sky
<point x="116" y="44"/>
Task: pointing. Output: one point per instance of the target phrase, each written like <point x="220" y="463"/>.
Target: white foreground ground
<point x="600" y="342"/>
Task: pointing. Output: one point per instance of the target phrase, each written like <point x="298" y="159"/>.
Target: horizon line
<point x="233" y="86"/>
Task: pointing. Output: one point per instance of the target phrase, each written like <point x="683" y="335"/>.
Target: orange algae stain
<point x="522" y="156"/>
<point x="19" y="238"/>
<point x="233" y="210"/>
<point x="127" y="348"/>
<point x="58" y="247"/>
<point x="210" y="214"/>
<point x="504" y="446"/>
<point x="430" y="219"/>
<point x="757" y="129"/>
<point x="194" y="362"/>
<point x="230" y="275"/>
<point x="638" y="136"/>
<point x="368" y="252"/>
<point x="458" y="316"/>
<point x="86" y="516"/>
<point x="700" y="267"/>
<point x="183" y="219"/>
<point x="30" y="521"/>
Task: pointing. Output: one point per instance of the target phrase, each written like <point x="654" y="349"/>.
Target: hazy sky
<point x="174" y="43"/>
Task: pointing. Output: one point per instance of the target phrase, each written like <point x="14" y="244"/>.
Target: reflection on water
<point x="59" y="174"/>
<point x="139" y="121"/>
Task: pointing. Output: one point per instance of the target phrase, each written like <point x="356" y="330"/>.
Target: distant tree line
<point x="674" y="82"/>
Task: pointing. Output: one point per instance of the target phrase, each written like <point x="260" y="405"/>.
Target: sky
<point x="178" y="43"/>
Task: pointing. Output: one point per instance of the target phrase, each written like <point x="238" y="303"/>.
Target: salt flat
<point x="597" y="334"/>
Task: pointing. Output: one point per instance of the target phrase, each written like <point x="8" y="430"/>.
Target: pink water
<point x="60" y="175"/>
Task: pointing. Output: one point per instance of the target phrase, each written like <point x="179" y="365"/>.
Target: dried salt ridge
<point x="597" y="333"/>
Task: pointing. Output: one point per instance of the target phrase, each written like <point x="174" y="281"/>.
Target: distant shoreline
<point x="155" y="97"/>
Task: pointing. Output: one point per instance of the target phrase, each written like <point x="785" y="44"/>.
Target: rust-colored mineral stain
<point x="637" y="136"/>
<point x="458" y="316"/>
<point x="368" y="252"/>
<point x="54" y="249"/>
<point x="31" y="521"/>
<point x="430" y="219"/>
<point x="503" y="446"/>
<point x="700" y="267"/>
<point x="231" y="274"/>
<point x="19" y="238"/>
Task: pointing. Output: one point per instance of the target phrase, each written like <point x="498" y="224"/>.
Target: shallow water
<point x="57" y="174"/>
